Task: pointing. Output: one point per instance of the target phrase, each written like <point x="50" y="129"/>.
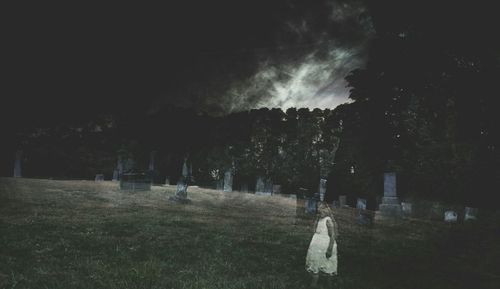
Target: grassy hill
<point x="84" y="234"/>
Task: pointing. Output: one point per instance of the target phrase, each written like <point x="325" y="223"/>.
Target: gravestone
<point x="276" y="189"/>
<point x="167" y="181"/>
<point x="310" y="206"/>
<point x="180" y="192"/>
<point x="470" y="213"/>
<point x="364" y="218"/>
<point x="361" y="204"/>
<point x="135" y="182"/>
<point x="390" y="206"/>
<point x="228" y="181"/>
<point x="263" y="188"/>
<point x="342" y="201"/>
<point x="115" y="175"/>
<point x="152" y="156"/>
<point x="185" y="170"/>
<point x="99" y="177"/>
<point x="450" y="216"/>
<point x="407" y="209"/>
<point x="336" y="204"/>
<point x="18" y="164"/>
<point x="322" y="189"/>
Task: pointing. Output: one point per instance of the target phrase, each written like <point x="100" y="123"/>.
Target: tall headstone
<point x="152" y="156"/>
<point x="390" y="206"/>
<point x="185" y="170"/>
<point x="167" y="181"/>
<point x="322" y="189"/>
<point x="118" y="172"/>
<point x="228" y="181"/>
<point x="18" y="164"/>
<point x="115" y="175"/>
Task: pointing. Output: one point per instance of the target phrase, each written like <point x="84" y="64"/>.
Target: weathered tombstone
<point x="228" y="181"/>
<point x="361" y="204"/>
<point x="343" y="201"/>
<point x="135" y="182"/>
<point x="390" y="206"/>
<point x="407" y="209"/>
<point x="185" y="170"/>
<point x="436" y="211"/>
<point x="18" y="164"/>
<point x="99" y="177"/>
<point x="115" y="175"/>
<point x="167" y="181"/>
<point x="450" y="216"/>
<point x="180" y="193"/>
<point x="276" y="189"/>
<point x="364" y="218"/>
<point x="152" y="156"/>
<point x="322" y="189"/>
<point x="262" y="188"/>
<point x="310" y="206"/>
<point x="470" y="213"/>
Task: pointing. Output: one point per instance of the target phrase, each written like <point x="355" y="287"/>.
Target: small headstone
<point x="18" y="164"/>
<point x="310" y="206"/>
<point x="407" y="209"/>
<point x="342" y="201"/>
<point x="322" y="189"/>
<point x="263" y="188"/>
<point x="364" y="218"/>
<point x="228" y="181"/>
<point x="361" y="204"/>
<point x="99" y="177"/>
<point x="276" y="189"/>
<point x="470" y="213"/>
<point x="135" y="182"/>
<point x="180" y="193"/>
<point x="450" y="216"/>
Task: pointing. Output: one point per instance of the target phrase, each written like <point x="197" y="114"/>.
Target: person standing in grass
<point x="322" y="253"/>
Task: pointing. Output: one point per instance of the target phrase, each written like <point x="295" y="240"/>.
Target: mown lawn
<point x="82" y="234"/>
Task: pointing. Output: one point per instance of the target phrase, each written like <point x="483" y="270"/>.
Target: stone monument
<point x="390" y="206"/>
<point x="18" y="164"/>
<point x="181" y="192"/>
<point x="322" y="189"/>
<point x="470" y="214"/>
<point x="342" y="201"/>
<point x="262" y="187"/>
<point x="228" y="181"/>
<point x="450" y="216"/>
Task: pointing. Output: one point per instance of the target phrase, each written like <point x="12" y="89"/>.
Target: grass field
<point x="83" y="234"/>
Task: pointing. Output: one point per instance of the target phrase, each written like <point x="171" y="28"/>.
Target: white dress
<point x="316" y="260"/>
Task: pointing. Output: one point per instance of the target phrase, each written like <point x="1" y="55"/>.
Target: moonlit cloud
<point x="314" y="79"/>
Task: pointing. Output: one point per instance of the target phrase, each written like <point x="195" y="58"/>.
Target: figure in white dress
<point x="322" y="253"/>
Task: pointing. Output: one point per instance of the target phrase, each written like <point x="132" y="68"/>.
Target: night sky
<point x="68" y="60"/>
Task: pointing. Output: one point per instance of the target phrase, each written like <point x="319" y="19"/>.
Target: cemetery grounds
<point x="85" y="234"/>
